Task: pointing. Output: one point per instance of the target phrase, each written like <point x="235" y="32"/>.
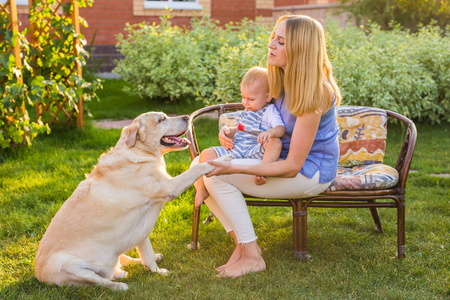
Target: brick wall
<point x="107" y="18"/>
<point x="233" y="10"/>
<point x="289" y="2"/>
<point x="302" y="2"/>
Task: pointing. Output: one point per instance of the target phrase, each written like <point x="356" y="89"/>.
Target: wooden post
<point x="33" y="42"/>
<point x="15" y="30"/>
<point x="76" y="24"/>
<point x="32" y="25"/>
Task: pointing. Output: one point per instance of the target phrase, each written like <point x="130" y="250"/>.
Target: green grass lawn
<point x="116" y="105"/>
<point x="350" y="260"/>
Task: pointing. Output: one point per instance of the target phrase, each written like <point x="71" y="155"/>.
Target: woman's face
<point x="277" y="53"/>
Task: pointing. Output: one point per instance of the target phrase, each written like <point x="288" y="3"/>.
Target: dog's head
<point x="156" y="131"/>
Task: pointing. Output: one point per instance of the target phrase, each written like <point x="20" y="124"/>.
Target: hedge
<point x="397" y="70"/>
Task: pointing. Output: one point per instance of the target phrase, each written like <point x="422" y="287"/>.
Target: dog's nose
<point x="186" y="118"/>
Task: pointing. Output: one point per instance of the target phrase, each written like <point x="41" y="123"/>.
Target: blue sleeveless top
<point x="324" y="153"/>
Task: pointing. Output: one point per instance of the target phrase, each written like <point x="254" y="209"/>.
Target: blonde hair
<point x="308" y="70"/>
<point x="256" y="74"/>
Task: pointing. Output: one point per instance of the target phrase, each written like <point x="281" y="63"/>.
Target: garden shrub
<point x="235" y="63"/>
<point x="408" y="13"/>
<point x="52" y="77"/>
<point x="395" y="70"/>
<point x="162" y="61"/>
<point x="15" y="125"/>
<point x="47" y="72"/>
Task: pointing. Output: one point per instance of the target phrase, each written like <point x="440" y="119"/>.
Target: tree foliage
<point x="15" y="125"/>
<point x="49" y="71"/>
<point x="410" y="14"/>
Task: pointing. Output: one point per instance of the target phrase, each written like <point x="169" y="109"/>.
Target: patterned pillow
<point x="362" y="135"/>
<point x="367" y="177"/>
<point x="228" y="119"/>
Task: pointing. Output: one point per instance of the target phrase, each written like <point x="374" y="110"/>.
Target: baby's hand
<point x="224" y="138"/>
<point x="265" y="136"/>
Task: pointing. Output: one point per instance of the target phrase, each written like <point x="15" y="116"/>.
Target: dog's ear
<point x="129" y="134"/>
<point x="141" y="133"/>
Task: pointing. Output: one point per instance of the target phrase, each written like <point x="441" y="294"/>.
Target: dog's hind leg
<point x="149" y="258"/>
<point x="81" y="273"/>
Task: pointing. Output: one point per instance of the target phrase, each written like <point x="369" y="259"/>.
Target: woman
<point x="301" y="81"/>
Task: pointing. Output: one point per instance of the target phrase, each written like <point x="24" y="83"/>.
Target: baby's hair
<point x="256" y="74"/>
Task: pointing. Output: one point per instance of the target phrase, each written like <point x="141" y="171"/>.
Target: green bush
<point x="160" y="61"/>
<point x="52" y="76"/>
<point x="396" y="70"/>
<point x="48" y="72"/>
<point x="176" y="63"/>
<point x="235" y="60"/>
<point x="15" y="125"/>
<point x="406" y="73"/>
<point x="408" y="13"/>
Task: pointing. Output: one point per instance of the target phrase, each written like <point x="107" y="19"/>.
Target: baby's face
<point x="254" y="96"/>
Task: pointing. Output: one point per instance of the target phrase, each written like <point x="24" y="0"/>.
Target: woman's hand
<point x="222" y="168"/>
<point x="225" y="138"/>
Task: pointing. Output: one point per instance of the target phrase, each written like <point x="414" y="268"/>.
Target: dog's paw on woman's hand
<point x="227" y="157"/>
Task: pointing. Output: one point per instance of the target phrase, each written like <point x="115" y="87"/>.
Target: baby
<point x="258" y="129"/>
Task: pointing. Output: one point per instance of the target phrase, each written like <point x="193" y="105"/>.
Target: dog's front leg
<point x="149" y="258"/>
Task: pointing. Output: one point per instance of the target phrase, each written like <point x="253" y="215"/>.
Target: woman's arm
<point x="303" y="136"/>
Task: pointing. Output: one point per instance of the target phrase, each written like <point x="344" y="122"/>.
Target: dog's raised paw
<point x="227" y="157"/>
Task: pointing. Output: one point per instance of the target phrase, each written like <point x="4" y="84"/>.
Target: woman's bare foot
<point x="251" y="261"/>
<point x="235" y="256"/>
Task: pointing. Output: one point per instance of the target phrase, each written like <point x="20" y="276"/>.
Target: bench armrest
<point x="406" y="153"/>
<point x="190" y="133"/>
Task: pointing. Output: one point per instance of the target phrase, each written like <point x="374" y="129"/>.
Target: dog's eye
<point x="162" y="119"/>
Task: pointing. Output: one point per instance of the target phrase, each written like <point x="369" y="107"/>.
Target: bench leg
<point x="300" y="231"/>
<point x="401" y="228"/>
<point x="195" y="224"/>
<point x="376" y="217"/>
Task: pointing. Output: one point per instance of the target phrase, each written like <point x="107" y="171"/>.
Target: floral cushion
<point x="228" y="119"/>
<point x="365" y="177"/>
<point x="362" y="135"/>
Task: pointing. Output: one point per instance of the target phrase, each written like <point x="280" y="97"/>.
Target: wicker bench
<point x="378" y="185"/>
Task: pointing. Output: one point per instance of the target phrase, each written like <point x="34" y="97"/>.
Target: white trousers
<point x="228" y="204"/>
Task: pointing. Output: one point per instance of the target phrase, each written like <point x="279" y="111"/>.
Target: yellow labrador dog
<point x="116" y="207"/>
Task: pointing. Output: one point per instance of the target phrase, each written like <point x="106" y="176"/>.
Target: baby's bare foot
<point x="260" y="180"/>
<point x="200" y="196"/>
